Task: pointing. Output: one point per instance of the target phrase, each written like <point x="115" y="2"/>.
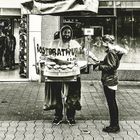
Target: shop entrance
<point x="98" y="30"/>
<point x="9" y="45"/>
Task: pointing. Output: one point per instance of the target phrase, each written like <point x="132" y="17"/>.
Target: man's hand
<point x="96" y="66"/>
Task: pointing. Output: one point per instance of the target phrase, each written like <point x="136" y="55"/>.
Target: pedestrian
<point x="124" y="43"/>
<point x="64" y="56"/>
<point x="2" y="48"/>
<point x="109" y="78"/>
<point x="7" y="50"/>
<point x="10" y="50"/>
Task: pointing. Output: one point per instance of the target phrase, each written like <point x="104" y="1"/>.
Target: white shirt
<point x="113" y="87"/>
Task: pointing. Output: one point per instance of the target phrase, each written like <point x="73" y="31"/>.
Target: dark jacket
<point x="109" y="68"/>
<point x="2" y="42"/>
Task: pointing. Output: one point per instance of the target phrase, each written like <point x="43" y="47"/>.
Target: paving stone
<point x="89" y="123"/>
<point x="27" y="117"/>
<point x="30" y="129"/>
<point x="57" y="136"/>
<point x="3" y="129"/>
<point x="21" y="128"/>
<point x="57" y="129"/>
<point x="106" y="136"/>
<point x="48" y="137"/>
<point x="20" y="138"/>
<point x="14" y="123"/>
<point x="87" y="137"/>
<point x="2" y="136"/>
<point x="118" y="138"/>
<point x="30" y="126"/>
<point x="30" y="136"/>
<point x="9" y="137"/>
<point x="132" y="133"/>
<point x="137" y="122"/>
<point x="115" y="136"/>
<point x="47" y="124"/>
<point x="75" y="132"/>
<point x="38" y="137"/>
<point x="93" y="131"/>
<point x="29" y="132"/>
<point x="78" y="137"/>
<point x="11" y="130"/>
<point x="127" y="137"/>
<point x="20" y="132"/>
<point x="138" y="131"/>
<point x="66" y="131"/>
<point x="48" y="131"/>
<point x="65" y="126"/>
<point x="82" y="125"/>
<point x="67" y="137"/>
<point x="5" y="124"/>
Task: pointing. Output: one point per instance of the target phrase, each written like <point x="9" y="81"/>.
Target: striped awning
<point x="60" y="7"/>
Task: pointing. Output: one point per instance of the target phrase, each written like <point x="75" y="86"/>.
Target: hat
<point x="63" y="36"/>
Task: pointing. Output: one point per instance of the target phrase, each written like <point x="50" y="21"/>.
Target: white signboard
<point x="88" y="31"/>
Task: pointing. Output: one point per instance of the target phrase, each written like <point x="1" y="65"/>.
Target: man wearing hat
<point x="63" y="53"/>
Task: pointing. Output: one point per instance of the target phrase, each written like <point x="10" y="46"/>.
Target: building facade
<point x="118" y="17"/>
<point x="10" y="15"/>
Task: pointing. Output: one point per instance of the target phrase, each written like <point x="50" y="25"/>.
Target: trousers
<point x="112" y="105"/>
<point x="53" y="97"/>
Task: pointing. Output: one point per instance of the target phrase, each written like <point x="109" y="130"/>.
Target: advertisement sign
<point x="59" y="6"/>
<point x="88" y="31"/>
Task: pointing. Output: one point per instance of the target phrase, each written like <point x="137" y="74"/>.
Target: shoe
<point x="111" y="129"/>
<point x="71" y="121"/>
<point x="57" y="121"/>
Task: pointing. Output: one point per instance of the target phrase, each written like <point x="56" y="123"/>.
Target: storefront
<point x="120" y="18"/>
<point x="10" y="15"/>
<point x="40" y="28"/>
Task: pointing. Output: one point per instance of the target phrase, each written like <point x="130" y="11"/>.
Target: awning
<point x="60" y="7"/>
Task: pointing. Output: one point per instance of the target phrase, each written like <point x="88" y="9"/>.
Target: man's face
<point x="66" y="35"/>
<point x="105" y="46"/>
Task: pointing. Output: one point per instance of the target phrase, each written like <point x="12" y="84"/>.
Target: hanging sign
<point x="59" y="6"/>
<point x="88" y="31"/>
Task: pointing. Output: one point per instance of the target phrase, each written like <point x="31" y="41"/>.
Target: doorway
<point x="9" y="34"/>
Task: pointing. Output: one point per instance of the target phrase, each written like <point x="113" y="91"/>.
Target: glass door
<point x="9" y="46"/>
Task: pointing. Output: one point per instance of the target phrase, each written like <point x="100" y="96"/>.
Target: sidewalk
<point x="22" y="117"/>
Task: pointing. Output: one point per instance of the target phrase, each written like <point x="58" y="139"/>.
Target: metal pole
<point x="64" y="93"/>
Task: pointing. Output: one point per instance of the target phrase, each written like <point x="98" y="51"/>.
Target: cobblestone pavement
<point x="22" y="117"/>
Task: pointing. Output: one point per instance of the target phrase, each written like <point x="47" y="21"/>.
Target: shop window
<point x="127" y="4"/>
<point x="106" y="4"/>
<point x="9" y="40"/>
<point x="129" y="26"/>
<point x="98" y="30"/>
<point x="106" y="11"/>
<point x="105" y="25"/>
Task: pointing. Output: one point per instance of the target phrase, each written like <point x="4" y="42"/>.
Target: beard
<point x="66" y="38"/>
